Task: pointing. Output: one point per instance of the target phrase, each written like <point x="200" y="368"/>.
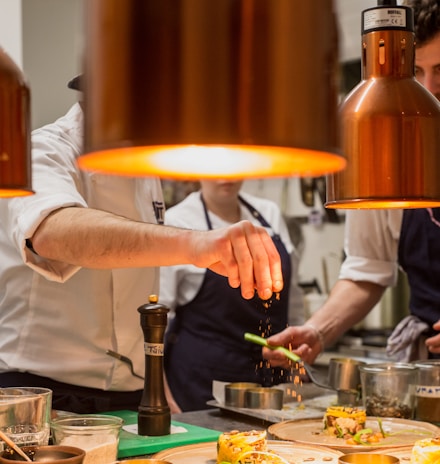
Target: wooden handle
<point x="14" y="446"/>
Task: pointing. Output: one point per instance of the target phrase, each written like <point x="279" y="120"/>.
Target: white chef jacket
<point x="180" y="284"/>
<point x="58" y="320"/>
<point x="371" y="245"/>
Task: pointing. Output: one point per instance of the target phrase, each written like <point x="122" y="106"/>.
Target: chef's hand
<point x="303" y="340"/>
<point x="245" y="254"/>
<point x="433" y="343"/>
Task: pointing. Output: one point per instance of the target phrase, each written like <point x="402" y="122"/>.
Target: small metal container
<point x="367" y="458"/>
<point x="264" y="398"/>
<point x="235" y="393"/>
<point x="343" y="374"/>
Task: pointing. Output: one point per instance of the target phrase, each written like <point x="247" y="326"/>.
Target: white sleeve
<point x="371" y="246"/>
<point x="56" y="181"/>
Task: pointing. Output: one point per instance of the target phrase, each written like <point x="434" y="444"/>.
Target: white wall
<point x="51" y="55"/>
<point x="11" y="30"/>
<point x="44" y="38"/>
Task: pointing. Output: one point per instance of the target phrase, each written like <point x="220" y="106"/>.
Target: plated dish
<point x="294" y="453"/>
<point x="399" y="433"/>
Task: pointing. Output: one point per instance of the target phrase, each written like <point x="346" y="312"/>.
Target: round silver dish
<point x="264" y="398"/>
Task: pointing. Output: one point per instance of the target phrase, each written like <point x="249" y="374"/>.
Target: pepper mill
<point x="154" y="417"/>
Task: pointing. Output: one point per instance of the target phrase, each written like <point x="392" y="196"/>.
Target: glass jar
<point x="96" y="434"/>
<point x="388" y="389"/>
<point x="427" y="407"/>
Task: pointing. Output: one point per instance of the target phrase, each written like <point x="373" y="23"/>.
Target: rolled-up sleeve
<point x="371" y="246"/>
<point x="57" y="183"/>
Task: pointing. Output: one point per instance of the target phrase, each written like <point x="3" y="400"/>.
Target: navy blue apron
<point x="205" y="340"/>
<point x="419" y="256"/>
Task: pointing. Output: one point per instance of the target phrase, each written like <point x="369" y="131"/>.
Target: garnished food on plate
<point x="349" y="423"/>
<point x="426" y="451"/>
<point x="246" y="448"/>
<point x="344" y="422"/>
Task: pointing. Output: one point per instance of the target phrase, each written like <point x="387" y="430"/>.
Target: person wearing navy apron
<point x="419" y="249"/>
<point x="205" y="339"/>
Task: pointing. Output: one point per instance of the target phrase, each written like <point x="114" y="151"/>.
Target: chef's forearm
<point x="97" y="239"/>
<point x="348" y="303"/>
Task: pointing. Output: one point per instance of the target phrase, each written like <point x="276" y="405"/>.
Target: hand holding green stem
<point x="263" y="342"/>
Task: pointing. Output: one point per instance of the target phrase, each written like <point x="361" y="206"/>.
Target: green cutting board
<point x="131" y="444"/>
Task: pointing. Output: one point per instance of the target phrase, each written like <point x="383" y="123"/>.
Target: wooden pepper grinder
<point x="154" y="417"/>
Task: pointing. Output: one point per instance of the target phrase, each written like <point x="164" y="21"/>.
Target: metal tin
<point x="264" y="398"/>
<point x="235" y="393"/>
<point x="367" y="458"/>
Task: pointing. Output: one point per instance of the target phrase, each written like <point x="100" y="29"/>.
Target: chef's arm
<point x="97" y="239"/>
<point x="348" y="303"/>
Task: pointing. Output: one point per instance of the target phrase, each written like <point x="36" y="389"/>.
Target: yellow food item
<point x="342" y="421"/>
<point x="426" y="451"/>
<point x="234" y="446"/>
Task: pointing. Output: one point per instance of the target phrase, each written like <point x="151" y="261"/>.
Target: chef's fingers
<point x="246" y="255"/>
<point x="433" y="344"/>
<point x="276" y="273"/>
<point x="258" y="261"/>
<point x="276" y="358"/>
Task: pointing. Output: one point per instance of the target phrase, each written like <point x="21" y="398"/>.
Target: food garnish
<point x="343" y="421"/>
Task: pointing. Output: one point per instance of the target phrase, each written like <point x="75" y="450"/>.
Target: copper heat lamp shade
<point x="15" y="151"/>
<point x="194" y="89"/>
<point x="390" y="124"/>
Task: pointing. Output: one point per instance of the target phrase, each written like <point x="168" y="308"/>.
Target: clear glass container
<point x="427" y="407"/>
<point x="388" y="389"/>
<point x="97" y="434"/>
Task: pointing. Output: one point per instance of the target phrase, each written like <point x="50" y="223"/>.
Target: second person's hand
<point x="302" y="340"/>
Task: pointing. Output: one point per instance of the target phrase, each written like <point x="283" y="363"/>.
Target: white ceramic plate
<point x="295" y="453"/>
<point x="402" y="433"/>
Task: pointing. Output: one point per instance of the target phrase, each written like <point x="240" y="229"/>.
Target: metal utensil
<point x="289" y="355"/>
<point x="14" y="446"/>
<point x="125" y="360"/>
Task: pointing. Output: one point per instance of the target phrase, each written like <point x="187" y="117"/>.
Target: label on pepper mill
<point x="153" y="349"/>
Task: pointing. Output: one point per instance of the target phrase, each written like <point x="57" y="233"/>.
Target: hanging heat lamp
<point x="15" y="147"/>
<point x="389" y="122"/>
<point x="195" y="89"/>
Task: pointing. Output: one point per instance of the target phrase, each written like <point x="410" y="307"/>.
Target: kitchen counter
<point x="221" y="419"/>
<point x="213" y="419"/>
<point x="217" y="419"/>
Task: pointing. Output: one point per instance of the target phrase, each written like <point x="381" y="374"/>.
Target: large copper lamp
<point x="192" y="89"/>
<point x="15" y="152"/>
<point x="389" y="123"/>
